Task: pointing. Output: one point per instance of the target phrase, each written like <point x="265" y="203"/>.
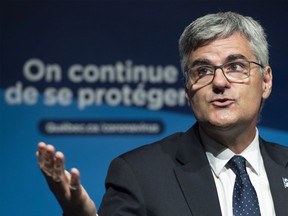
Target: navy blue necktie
<point x="245" y="201"/>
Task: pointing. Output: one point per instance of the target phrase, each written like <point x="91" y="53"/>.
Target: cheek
<point x="198" y="104"/>
<point x="250" y="100"/>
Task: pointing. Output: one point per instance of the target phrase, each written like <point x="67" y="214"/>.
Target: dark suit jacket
<point x="172" y="177"/>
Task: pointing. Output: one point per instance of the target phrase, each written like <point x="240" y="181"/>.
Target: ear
<point x="267" y="82"/>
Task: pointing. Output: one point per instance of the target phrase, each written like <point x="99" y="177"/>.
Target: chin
<point x="222" y="124"/>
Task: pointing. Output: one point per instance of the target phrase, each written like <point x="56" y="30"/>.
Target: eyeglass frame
<point x="222" y="69"/>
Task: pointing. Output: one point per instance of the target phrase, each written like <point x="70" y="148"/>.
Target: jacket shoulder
<point x="167" y="145"/>
<point x="278" y="152"/>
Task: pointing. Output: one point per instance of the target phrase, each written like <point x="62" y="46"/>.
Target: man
<point x="224" y="58"/>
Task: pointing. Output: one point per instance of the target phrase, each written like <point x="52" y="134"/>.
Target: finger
<point x="40" y="153"/>
<point x="48" y="160"/>
<point x="59" y="167"/>
<point x="75" y="186"/>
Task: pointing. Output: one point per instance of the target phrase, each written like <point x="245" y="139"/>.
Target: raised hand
<point x="66" y="186"/>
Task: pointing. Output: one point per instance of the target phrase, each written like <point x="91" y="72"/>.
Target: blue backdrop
<point x="91" y="78"/>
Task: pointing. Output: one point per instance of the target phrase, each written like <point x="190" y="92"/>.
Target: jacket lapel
<point x="275" y="160"/>
<point x="195" y="177"/>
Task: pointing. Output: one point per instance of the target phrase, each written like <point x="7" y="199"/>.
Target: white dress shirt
<point x="224" y="177"/>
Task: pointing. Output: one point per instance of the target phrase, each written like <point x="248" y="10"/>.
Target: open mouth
<point x="222" y="102"/>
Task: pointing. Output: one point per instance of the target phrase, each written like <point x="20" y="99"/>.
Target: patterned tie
<point x="245" y="201"/>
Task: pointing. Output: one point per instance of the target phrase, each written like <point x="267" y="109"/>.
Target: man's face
<point x="223" y="104"/>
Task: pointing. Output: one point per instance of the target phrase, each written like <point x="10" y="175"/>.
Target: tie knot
<point x="238" y="165"/>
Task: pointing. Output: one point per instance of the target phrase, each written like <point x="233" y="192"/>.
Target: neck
<point x="237" y="139"/>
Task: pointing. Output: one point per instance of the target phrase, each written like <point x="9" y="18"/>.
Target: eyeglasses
<point x="234" y="71"/>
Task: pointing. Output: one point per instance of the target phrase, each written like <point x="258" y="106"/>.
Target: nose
<point x="220" y="81"/>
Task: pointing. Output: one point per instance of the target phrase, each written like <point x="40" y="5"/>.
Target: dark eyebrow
<point x="201" y="62"/>
<point x="232" y="57"/>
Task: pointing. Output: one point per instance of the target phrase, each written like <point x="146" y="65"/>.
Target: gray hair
<point x="222" y="25"/>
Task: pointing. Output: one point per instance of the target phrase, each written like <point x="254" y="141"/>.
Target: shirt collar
<point x="218" y="155"/>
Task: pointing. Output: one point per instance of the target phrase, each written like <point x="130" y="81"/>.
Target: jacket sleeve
<point x="123" y="195"/>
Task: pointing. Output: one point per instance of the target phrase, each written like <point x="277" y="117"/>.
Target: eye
<point x="204" y="71"/>
<point x="235" y="67"/>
